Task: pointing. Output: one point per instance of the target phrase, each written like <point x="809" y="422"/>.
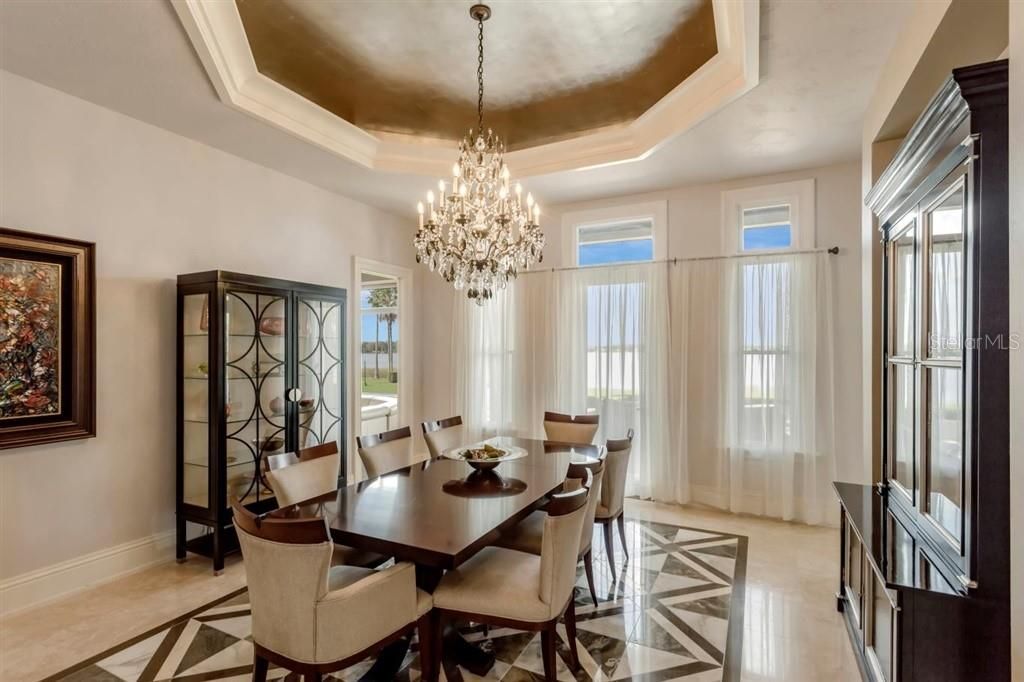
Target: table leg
<point x="456" y="649"/>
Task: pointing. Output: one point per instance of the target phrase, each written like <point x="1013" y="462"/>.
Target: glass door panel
<point x="196" y="399"/>
<point x="945" y="466"/>
<point x="379" y="356"/>
<point x="901" y="444"/>
<point x="903" y="300"/>
<point x="255" y="347"/>
<point x="946" y="276"/>
<point x="321" y="350"/>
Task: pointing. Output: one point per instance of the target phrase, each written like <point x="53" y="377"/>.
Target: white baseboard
<point x="60" y="580"/>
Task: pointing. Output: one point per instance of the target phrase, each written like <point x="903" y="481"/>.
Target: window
<point x="766" y="292"/>
<point x="625" y="242"/>
<point x="766" y="227"/>
<point x="634" y="233"/>
<point x="768" y="218"/>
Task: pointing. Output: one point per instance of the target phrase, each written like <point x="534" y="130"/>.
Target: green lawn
<point x="381" y="385"/>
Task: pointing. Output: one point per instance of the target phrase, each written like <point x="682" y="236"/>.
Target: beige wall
<point x="1017" y="327"/>
<point x="156" y="204"/>
<point x="695" y="229"/>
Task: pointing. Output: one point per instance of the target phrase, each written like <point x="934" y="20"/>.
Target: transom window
<point x="628" y="241"/>
<point x="766" y="228"/>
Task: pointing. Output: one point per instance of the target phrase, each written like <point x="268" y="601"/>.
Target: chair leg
<point x="588" y="567"/>
<point x="436" y="645"/>
<point x="609" y="549"/>
<point x="622" y="532"/>
<point x="570" y="632"/>
<point x="260" y="666"/>
<point x="547" y="645"/>
<point x="424" y="628"/>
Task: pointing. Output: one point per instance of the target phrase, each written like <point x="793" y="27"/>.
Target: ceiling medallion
<point x="480" y="234"/>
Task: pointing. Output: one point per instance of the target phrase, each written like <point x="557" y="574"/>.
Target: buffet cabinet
<point x="260" y="370"/>
<point x="924" y="584"/>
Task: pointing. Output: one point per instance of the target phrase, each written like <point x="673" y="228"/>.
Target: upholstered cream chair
<point x="382" y="453"/>
<point x="528" y="535"/>
<point x="443" y="434"/>
<point x="612" y="493"/>
<point x="311" y="618"/>
<point x="514" y="589"/>
<point x="309" y="473"/>
<point x="564" y="428"/>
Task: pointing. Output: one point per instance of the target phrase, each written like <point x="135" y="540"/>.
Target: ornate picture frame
<point x="47" y="339"/>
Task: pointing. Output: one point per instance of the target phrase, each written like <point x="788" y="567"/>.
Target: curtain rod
<point x="832" y="250"/>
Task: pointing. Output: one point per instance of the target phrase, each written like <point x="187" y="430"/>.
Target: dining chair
<point x="309" y="473"/>
<point x="564" y="428"/>
<point x="612" y="494"/>
<point x="528" y="535"/>
<point x="443" y="434"/>
<point x="513" y="589"/>
<point x="312" y="618"/>
<point x="382" y="453"/>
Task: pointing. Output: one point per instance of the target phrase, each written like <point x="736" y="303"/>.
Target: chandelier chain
<point x="480" y="76"/>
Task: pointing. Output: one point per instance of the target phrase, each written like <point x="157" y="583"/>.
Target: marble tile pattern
<point x="674" y="611"/>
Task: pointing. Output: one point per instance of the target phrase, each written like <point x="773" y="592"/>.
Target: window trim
<point x="574" y="221"/>
<point x="799" y="195"/>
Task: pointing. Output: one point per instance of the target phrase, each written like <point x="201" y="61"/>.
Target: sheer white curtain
<point x="756" y="384"/>
<point x="501" y="358"/>
<point x="725" y="376"/>
<point x="611" y="357"/>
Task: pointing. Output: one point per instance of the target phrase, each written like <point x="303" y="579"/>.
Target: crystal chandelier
<point x="481" y="232"/>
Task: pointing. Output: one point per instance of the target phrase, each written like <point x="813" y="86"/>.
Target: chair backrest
<point x="578" y="472"/>
<point x="565" y="428"/>
<point x="559" y="547"/>
<point x="617" y="465"/>
<point x="309" y="473"/>
<point x="384" y="452"/>
<point x="443" y="434"/>
<point x="286" y="567"/>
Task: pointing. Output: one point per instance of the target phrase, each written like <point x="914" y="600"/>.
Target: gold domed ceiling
<point x="553" y="70"/>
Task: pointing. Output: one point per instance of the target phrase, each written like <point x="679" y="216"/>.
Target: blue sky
<point x="616" y="252"/>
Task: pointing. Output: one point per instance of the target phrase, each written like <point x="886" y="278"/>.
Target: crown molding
<point x="215" y="29"/>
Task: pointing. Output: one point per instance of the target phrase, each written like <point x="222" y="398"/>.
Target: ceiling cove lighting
<point x="480" y="231"/>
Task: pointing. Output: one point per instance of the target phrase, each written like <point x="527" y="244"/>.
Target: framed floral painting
<point x="47" y="339"/>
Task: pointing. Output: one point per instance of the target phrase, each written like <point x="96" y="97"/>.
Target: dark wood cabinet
<point x="925" y="578"/>
<point x="260" y="369"/>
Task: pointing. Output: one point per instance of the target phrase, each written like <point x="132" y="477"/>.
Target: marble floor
<point x="790" y="629"/>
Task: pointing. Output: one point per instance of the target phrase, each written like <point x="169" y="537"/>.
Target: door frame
<point x="406" y="346"/>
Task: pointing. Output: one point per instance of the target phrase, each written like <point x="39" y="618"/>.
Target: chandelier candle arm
<point x="478" y="237"/>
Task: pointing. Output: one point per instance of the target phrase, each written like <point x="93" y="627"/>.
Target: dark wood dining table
<point x="439" y="513"/>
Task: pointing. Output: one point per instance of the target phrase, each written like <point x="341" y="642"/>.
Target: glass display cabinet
<point x="261" y="370"/>
<point x="924" y="579"/>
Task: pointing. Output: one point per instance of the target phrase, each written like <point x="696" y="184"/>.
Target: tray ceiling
<point x="553" y="70"/>
<point x="390" y="85"/>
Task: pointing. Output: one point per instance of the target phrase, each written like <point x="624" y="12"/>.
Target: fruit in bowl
<point x="483" y="458"/>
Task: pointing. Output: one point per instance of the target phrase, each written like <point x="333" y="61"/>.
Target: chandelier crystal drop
<point x="479" y="231"/>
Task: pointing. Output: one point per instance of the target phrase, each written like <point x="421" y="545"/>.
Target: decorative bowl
<point x="462" y="454"/>
<point x="272" y="326"/>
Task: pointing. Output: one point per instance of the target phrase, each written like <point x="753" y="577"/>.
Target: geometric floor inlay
<point x="674" y="611"/>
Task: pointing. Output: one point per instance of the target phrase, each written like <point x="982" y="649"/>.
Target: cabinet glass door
<point x="902" y="443"/>
<point x="195" y="397"/>
<point x="255" y="378"/>
<point x="321" y="366"/>
<point x="943" y="363"/>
